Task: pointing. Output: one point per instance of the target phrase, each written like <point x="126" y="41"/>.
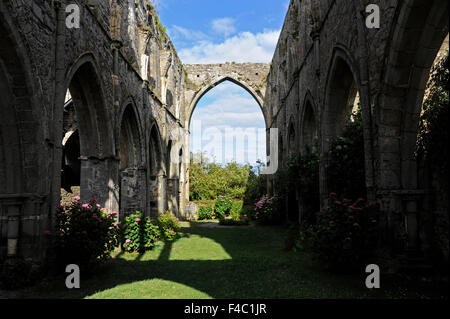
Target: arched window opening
<point x="132" y="177"/>
<point x="343" y="135"/>
<point x="228" y="135"/>
<point x="71" y="163"/>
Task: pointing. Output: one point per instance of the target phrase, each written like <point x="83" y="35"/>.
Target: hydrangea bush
<point x="138" y="233"/>
<point x="169" y="226"/>
<point x="266" y="211"/>
<point x="205" y="212"/>
<point x="345" y="235"/>
<point x="85" y="235"/>
<point x="223" y="206"/>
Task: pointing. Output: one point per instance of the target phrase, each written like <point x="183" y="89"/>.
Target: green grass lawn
<point x="240" y="262"/>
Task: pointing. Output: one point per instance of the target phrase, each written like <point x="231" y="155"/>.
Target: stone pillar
<point x="99" y="180"/>
<point x="411" y="224"/>
<point x="13" y="230"/>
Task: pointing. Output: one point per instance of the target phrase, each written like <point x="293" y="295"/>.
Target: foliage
<point x="85" y="235"/>
<point x="433" y="139"/>
<point x="302" y="173"/>
<point x="345" y="234"/>
<point x="235" y="218"/>
<point x="223" y="206"/>
<point x="256" y="187"/>
<point x="234" y="222"/>
<point x="248" y="211"/>
<point x="169" y="226"/>
<point x="236" y="208"/>
<point x="17" y="273"/>
<point x="347" y="151"/>
<point x="266" y="211"/>
<point x="209" y="180"/>
<point x="205" y="212"/>
<point x="138" y="233"/>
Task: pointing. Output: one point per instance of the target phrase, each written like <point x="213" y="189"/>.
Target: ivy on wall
<point x="433" y="137"/>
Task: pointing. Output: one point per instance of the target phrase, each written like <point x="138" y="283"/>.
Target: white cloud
<point x="177" y="32"/>
<point x="223" y="26"/>
<point x="244" y="47"/>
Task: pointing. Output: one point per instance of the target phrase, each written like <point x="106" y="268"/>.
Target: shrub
<point x="266" y="211"/>
<point x="347" y="151"/>
<point x="85" y="235"/>
<point x="223" y="206"/>
<point x="248" y="211"/>
<point x="138" y="233"/>
<point x="344" y="236"/>
<point x="208" y="180"/>
<point x="234" y="222"/>
<point x="236" y="208"/>
<point x="302" y="174"/>
<point x="205" y="212"/>
<point x="256" y="187"/>
<point x="169" y="226"/>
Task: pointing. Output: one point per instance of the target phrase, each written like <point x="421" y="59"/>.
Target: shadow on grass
<point x="257" y="268"/>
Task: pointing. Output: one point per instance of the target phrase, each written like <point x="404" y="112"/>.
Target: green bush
<point x="233" y="222"/>
<point x="205" y="212"/>
<point x="85" y="235"/>
<point x="248" y="211"/>
<point x="138" y="233"/>
<point x="209" y="180"/>
<point x="223" y="206"/>
<point x="169" y="226"/>
<point x="345" y="234"/>
<point x="236" y="207"/>
<point x="256" y="187"/>
<point x="302" y="174"/>
<point x="266" y="211"/>
<point x="347" y="151"/>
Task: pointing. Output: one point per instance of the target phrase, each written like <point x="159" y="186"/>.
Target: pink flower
<point x="356" y="224"/>
<point x="77" y="198"/>
<point x="114" y="213"/>
<point x="138" y="219"/>
<point x="128" y="241"/>
<point x="86" y="206"/>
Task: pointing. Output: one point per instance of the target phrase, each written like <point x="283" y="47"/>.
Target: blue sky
<point x="212" y="31"/>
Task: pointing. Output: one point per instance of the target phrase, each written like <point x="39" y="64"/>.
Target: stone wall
<point x="113" y="67"/>
<point x="325" y="53"/>
<point x="133" y="100"/>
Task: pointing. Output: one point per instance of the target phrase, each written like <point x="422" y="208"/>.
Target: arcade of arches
<point x="103" y="110"/>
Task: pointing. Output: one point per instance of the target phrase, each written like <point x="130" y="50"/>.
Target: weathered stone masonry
<point x="132" y="100"/>
<point x="325" y="56"/>
<point x="126" y="84"/>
